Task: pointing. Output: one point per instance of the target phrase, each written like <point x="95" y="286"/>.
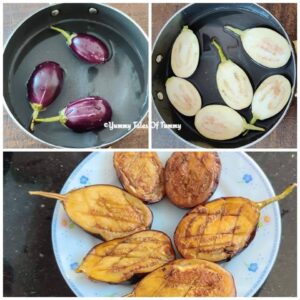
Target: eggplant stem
<point x="253" y="127"/>
<point x="49" y="120"/>
<point x="234" y="30"/>
<point x="279" y="197"/>
<point x="221" y="53"/>
<point x="253" y="120"/>
<point x="33" y="119"/>
<point x="66" y="35"/>
<point x="49" y="195"/>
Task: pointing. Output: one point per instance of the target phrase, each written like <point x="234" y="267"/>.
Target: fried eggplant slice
<point x="191" y="177"/>
<point x="187" y="278"/>
<point x="220" y="229"/>
<point x="120" y="259"/>
<point x="104" y="210"/>
<point x="141" y="174"/>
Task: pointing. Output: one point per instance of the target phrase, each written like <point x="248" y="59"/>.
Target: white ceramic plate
<point x="240" y="176"/>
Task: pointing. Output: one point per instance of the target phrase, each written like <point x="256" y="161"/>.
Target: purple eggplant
<point x="84" y="114"/>
<point x="87" y="47"/>
<point x="43" y="86"/>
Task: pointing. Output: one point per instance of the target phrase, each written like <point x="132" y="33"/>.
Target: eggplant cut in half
<point x="183" y="96"/>
<point x="192" y="177"/>
<point x="264" y="45"/>
<point x="187" y="278"/>
<point x="220" y="122"/>
<point x="121" y="259"/>
<point x="233" y="83"/>
<point x="222" y="228"/>
<point x="141" y="174"/>
<point x="105" y="211"/>
<point x="185" y="53"/>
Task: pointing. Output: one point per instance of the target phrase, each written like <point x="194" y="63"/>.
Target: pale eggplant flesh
<point x="233" y="83"/>
<point x="105" y="211"/>
<point x="219" y="122"/>
<point x="187" y="278"/>
<point x="121" y="259"/>
<point x="222" y="228"/>
<point x="264" y="45"/>
<point x="270" y="97"/>
<point x="183" y="96"/>
<point x="185" y="53"/>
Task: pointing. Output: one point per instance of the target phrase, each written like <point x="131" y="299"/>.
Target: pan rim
<point x="190" y="144"/>
<point x="103" y="145"/>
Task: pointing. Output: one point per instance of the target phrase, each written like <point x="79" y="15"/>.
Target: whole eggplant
<point x="83" y="114"/>
<point x="87" y="47"/>
<point x="43" y="87"/>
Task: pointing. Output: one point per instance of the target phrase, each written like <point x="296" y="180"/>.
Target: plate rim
<point x="261" y="279"/>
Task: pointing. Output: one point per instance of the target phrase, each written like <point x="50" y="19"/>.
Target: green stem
<point x="66" y="35"/>
<point x="36" y="110"/>
<point x="234" y="30"/>
<point x="279" y="197"/>
<point x="49" y="120"/>
<point x="253" y="120"/>
<point x="253" y="127"/>
<point x="222" y="56"/>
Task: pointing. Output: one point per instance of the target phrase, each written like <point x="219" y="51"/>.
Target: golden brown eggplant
<point x="187" y="278"/>
<point x="221" y="228"/>
<point x="191" y="177"/>
<point x="120" y="259"/>
<point x="141" y="174"/>
<point x="104" y="210"/>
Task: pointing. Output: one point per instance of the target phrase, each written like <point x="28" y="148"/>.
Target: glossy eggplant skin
<point x="86" y="46"/>
<point x="87" y="114"/>
<point x="43" y="86"/>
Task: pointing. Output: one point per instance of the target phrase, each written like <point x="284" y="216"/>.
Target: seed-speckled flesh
<point x="183" y="95"/>
<point x="185" y="53"/>
<point x="141" y="174"/>
<point x="120" y="259"/>
<point x="192" y="177"/>
<point x="218" y="230"/>
<point x="271" y="97"/>
<point x="187" y="278"/>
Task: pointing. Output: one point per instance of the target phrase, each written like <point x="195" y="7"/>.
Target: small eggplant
<point x="43" y="87"/>
<point x="265" y="46"/>
<point x="220" y="122"/>
<point x="185" y="53"/>
<point x="221" y="228"/>
<point x="86" y="46"/>
<point x="232" y="81"/>
<point x="183" y="96"/>
<point x="104" y="210"/>
<point x="84" y="114"/>
<point x="270" y="97"/>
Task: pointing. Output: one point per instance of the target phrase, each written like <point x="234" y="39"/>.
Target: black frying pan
<point x="207" y="21"/>
<point x="122" y="81"/>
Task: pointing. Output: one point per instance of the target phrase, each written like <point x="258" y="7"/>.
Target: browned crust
<point x="192" y="177"/>
<point x="137" y="178"/>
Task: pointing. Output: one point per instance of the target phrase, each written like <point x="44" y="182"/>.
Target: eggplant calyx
<point x="234" y="30"/>
<point x="66" y="34"/>
<point x="252" y="127"/>
<point x="221" y="53"/>
<point x="60" y="118"/>
<point x="36" y="110"/>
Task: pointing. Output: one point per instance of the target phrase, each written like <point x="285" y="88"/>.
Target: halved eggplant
<point x="183" y="96"/>
<point x="185" y="53"/>
<point x="222" y="228"/>
<point x="264" y="45"/>
<point x="219" y="122"/>
<point x="192" y="177"/>
<point x="104" y="210"/>
<point x="233" y="83"/>
<point x="120" y="259"/>
<point x="270" y="97"/>
<point x="141" y="174"/>
<point x="187" y="278"/>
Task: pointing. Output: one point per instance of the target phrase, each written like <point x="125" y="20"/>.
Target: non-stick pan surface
<point x="207" y="21"/>
<point x="122" y="81"/>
